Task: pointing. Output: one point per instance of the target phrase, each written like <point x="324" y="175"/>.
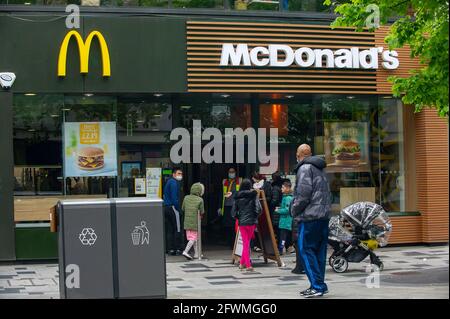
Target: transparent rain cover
<point x="337" y="231"/>
<point x="371" y="218"/>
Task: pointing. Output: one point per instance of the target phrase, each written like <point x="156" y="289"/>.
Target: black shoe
<point x="325" y="292"/>
<point x="306" y="291"/>
<point x="178" y="252"/>
<point x="298" y="271"/>
<point x="312" y="293"/>
<point x="172" y="252"/>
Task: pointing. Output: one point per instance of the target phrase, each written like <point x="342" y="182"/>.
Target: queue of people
<point x="299" y="215"/>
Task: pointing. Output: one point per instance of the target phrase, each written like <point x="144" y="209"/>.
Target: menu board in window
<point x="90" y="149"/>
<point x="347" y="146"/>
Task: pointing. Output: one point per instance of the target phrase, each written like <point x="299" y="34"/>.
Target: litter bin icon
<point x="136" y="236"/>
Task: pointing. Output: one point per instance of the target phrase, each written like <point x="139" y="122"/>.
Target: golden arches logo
<point x="83" y="49"/>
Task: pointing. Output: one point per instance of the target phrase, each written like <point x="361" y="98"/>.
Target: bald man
<point x="311" y="209"/>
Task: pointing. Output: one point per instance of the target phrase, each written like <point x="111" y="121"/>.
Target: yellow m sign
<point x="84" y="48"/>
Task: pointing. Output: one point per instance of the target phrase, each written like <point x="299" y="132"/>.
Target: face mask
<point x="179" y="178"/>
<point x="232" y="175"/>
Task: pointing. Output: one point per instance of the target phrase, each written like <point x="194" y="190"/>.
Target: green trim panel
<point x="148" y="54"/>
<point x="403" y="214"/>
<point x="36" y="243"/>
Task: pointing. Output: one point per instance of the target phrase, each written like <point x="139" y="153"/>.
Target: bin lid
<point x="136" y="200"/>
<point x="84" y="201"/>
<point x="100" y="201"/>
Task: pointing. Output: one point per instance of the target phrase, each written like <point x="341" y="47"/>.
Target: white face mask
<point x="232" y="175"/>
<point x="179" y="178"/>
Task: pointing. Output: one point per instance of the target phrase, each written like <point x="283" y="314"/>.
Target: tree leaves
<point x="421" y="24"/>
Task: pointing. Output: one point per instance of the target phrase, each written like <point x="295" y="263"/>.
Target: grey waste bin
<point x="85" y="249"/>
<point x="111" y="248"/>
<point x="140" y="248"/>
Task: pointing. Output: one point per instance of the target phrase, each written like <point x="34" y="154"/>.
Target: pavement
<point x="409" y="272"/>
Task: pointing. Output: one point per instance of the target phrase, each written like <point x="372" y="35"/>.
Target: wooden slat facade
<point x="204" y="44"/>
<point x="406" y="63"/>
<point x="432" y="175"/>
<point x="406" y="229"/>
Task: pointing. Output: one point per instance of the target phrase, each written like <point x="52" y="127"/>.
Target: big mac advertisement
<point x="90" y="149"/>
<point x="346" y="146"/>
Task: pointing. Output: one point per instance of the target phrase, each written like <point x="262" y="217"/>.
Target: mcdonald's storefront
<point x="140" y="76"/>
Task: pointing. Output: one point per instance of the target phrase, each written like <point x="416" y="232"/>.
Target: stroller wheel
<point x="339" y="264"/>
<point x="330" y="260"/>
<point x="380" y="265"/>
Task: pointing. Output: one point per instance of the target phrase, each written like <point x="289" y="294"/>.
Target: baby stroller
<point x="355" y="233"/>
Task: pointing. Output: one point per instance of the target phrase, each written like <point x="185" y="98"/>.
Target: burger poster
<point x="346" y="144"/>
<point x="90" y="149"/>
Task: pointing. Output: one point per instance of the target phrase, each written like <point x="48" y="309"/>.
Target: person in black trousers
<point x="172" y="213"/>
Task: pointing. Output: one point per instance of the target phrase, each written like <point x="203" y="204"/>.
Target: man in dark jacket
<point x="172" y="213"/>
<point x="311" y="209"/>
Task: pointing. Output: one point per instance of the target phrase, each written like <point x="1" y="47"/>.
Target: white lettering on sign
<point x="280" y="55"/>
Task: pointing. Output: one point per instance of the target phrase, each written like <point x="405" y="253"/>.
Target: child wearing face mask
<point x="193" y="206"/>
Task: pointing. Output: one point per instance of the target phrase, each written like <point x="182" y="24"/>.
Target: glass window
<point x="360" y="137"/>
<point x="90" y="108"/>
<point x="268" y="5"/>
<point x="295" y="122"/>
<point x="139" y="116"/>
<point x="37" y="144"/>
<point x="391" y="157"/>
<point x="143" y="126"/>
<point x="219" y="111"/>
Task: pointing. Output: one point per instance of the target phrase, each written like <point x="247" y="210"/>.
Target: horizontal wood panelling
<point x="204" y="44"/>
<point x="406" y="229"/>
<point x="406" y="63"/>
<point x="432" y="175"/>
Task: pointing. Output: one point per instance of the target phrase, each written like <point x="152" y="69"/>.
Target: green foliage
<point x="423" y="25"/>
<point x="194" y="3"/>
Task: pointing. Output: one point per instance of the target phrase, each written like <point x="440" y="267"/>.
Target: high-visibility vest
<point x="227" y="186"/>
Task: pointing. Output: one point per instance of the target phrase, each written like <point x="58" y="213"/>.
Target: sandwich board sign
<point x="266" y="236"/>
<point x="90" y="149"/>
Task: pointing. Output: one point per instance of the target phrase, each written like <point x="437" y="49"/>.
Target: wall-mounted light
<point x="225" y="95"/>
<point x="185" y="107"/>
<point x="289" y="96"/>
<point x="158" y="94"/>
<point x="30" y="94"/>
<point x="54" y="115"/>
<point x="88" y="94"/>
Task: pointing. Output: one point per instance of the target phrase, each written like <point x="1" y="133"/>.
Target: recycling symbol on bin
<point x="88" y="236"/>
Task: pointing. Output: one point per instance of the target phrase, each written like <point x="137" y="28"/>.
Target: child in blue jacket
<point x="285" y="222"/>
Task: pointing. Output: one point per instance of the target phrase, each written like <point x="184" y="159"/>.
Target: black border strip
<point x="115" y="257"/>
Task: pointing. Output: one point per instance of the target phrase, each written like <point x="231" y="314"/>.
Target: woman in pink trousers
<point x="246" y="209"/>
